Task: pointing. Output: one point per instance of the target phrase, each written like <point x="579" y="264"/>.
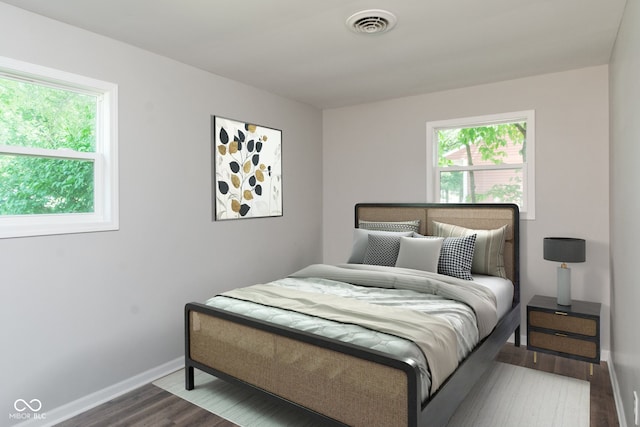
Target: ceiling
<point x="302" y="49"/>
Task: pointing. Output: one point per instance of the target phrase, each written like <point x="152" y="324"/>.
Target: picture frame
<point x="247" y="170"/>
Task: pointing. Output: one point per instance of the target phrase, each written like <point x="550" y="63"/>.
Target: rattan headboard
<point x="475" y="216"/>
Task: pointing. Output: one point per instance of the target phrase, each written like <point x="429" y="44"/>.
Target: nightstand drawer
<point x="563" y="344"/>
<point x="561" y="321"/>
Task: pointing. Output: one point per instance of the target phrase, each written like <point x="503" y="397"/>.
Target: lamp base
<point x="564" y="286"/>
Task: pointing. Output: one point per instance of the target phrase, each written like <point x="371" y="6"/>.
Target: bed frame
<point x="343" y="384"/>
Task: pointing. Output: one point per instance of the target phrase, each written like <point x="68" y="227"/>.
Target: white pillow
<point x="361" y="240"/>
<point x="420" y="254"/>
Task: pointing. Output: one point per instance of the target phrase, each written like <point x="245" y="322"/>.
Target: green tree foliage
<point x="490" y="142"/>
<point x="52" y="119"/>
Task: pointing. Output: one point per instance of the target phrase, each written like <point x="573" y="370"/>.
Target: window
<point x="487" y="159"/>
<point x="58" y="152"/>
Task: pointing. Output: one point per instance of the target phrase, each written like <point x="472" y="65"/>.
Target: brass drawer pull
<point x="560" y="335"/>
<point x="561" y="313"/>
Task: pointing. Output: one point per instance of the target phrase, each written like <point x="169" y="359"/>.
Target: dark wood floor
<point x="152" y="406"/>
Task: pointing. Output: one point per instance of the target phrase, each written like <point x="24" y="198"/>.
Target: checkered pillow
<point x="456" y="256"/>
<point x="382" y="250"/>
<point x="413" y="225"/>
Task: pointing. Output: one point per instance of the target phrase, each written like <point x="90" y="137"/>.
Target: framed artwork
<point x="247" y="170"/>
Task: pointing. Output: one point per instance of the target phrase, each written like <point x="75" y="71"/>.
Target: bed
<point x="342" y="382"/>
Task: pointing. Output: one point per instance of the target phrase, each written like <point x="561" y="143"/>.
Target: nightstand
<point x="569" y="331"/>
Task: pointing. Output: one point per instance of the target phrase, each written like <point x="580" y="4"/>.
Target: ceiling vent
<point x="372" y="21"/>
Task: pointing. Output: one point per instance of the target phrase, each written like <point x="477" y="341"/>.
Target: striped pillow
<point x="488" y="256"/>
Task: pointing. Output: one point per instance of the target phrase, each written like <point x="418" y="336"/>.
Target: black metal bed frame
<point x="439" y="408"/>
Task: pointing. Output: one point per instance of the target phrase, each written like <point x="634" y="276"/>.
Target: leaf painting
<point x="247" y="170"/>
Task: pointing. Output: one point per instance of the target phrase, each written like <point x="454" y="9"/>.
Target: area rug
<point x="507" y="396"/>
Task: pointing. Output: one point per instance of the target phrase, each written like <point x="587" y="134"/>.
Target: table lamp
<point x="564" y="250"/>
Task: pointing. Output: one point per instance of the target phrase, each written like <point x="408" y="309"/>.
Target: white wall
<point x="376" y="153"/>
<point x="82" y="312"/>
<point x="625" y="207"/>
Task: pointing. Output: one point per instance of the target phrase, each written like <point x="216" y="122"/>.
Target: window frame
<point x="105" y="216"/>
<point x="527" y="211"/>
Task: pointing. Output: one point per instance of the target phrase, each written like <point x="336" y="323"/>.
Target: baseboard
<point x="71" y="409"/>
<point x="523" y="338"/>
<point x="617" y="396"/>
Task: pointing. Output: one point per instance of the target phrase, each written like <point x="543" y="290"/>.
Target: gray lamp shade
<point x="564" y="249"/>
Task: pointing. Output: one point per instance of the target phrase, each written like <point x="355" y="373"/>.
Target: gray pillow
<point x="382" y="250"/>
<point x="361" y="240"/>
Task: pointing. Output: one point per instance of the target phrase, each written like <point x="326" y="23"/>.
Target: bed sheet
<point x="501" y="288"/>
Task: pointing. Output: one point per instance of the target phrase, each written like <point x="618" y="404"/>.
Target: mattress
<point x="458" y="314"/>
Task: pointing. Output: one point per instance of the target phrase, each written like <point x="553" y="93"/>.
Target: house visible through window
<point x="58" y="152"/>
<point x="486" y="159"/>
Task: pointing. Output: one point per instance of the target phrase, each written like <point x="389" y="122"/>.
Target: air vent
<point x="373" y="21"/>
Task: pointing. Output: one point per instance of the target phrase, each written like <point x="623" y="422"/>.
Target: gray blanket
<point x="435" y="337"/>
<point x="478" y="297"/>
